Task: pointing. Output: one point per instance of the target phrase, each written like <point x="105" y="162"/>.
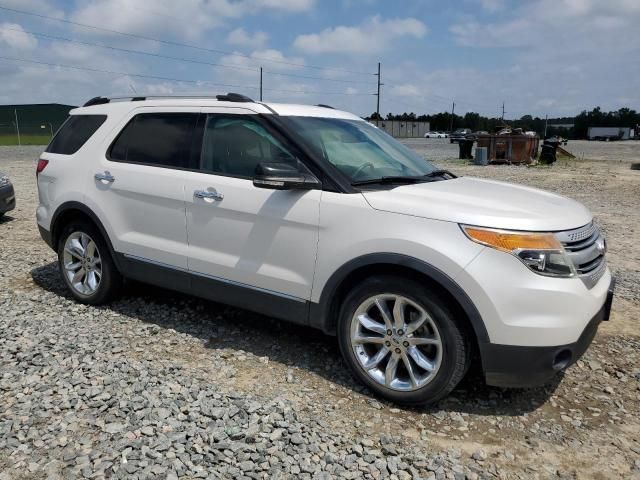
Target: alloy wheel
<point x="82" y="263"/>
<point x="396" y="342"/>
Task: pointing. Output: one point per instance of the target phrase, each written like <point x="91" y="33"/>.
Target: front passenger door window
<point x="233" y="145"/>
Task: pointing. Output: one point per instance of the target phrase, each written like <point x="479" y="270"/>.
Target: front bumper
<point x="46" y="236"/>
<point x="521" y="366"/>
<point x="7" y="199"/>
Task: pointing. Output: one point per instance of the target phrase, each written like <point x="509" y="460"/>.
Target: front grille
<point x="585" y="246"/>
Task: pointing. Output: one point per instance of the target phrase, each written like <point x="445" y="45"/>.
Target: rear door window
<point x="74" y="133"/>
<point x="157" y="139"/>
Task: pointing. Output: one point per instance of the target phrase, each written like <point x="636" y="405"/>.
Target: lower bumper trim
<point x="46" y="236"/>
<point x="521" y="366"/>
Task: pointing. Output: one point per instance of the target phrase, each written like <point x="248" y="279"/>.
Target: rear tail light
<point x="42" y="164"/>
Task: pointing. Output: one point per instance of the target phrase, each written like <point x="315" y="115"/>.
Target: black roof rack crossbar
<point x="96" y="101"/>
<point x="234" y="97"/>
<point x="325" y="106"/>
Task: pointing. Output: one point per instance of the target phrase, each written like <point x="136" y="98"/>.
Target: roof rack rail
<point x="325" y="106"/>
<point x="96" y="101"/>
<point x="234" y="97"/>
<point x="229" y="97"/>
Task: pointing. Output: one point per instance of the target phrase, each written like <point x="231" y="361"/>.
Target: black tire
<point x="111" y="280"/>
<point x="455" y="347"/>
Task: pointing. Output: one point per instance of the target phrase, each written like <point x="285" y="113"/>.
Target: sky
<point x="539" y="57"/>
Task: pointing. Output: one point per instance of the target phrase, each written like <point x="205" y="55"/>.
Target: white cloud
<point x="42" y="7"/>
<point x="558" y="56"/>
<point x="406" y="90"/>
<point x="242" y="38"/>
<point x="286" y="5"/>
<point x="269" y="58"/>
<point x="373" y="36"/>
<point x="550" y="23"/>
<point x="492" y="5"/>
<point x="170" y="17"/>
<point x="13" y="36"/>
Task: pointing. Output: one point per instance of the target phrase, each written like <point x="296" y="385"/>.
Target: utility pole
<point x="378" y="94"/>
<point x="260" y="83"/>
<point x="546" y="117"/>
<point x="502" y="112"/>
<point x="15" y="112"/>
<point x="453" y="107"/>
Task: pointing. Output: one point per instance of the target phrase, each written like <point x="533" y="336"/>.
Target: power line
<point x="318" y="78"/>
<point x="459" y="101"/>
<point x="114" y="72"/>
<point x="178" y="80"/>
<point x="128" y="50"/>
<point x="179" y="44"/>
<point x="180" y="59"/>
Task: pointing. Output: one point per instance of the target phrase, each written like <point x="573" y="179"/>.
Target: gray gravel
<point x="160" y="385"/>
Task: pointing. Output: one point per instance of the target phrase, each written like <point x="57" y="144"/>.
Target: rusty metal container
<point x="511" y="148"/>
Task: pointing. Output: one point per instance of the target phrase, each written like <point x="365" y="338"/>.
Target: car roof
<point x="120" y="106"/>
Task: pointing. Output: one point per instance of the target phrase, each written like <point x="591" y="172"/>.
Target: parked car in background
<point x="7" y="195"/>
<point x="312" y="215"/>
<point x="459" y="134"/>
<point x="435" y="135"/>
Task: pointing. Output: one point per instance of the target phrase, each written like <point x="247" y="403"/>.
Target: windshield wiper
<point x="389" y="179"/>
<point x="440" y="173"/>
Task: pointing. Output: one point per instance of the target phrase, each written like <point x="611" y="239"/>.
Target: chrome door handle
<point x="104" y="177"/>
<point x="205" y="194"/>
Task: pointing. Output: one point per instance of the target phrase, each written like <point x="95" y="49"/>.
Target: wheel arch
<point x="324" y="314"/>
<point x="70" y="211"/>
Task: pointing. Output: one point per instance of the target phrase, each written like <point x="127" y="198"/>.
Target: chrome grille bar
<point x="586" y="248"/>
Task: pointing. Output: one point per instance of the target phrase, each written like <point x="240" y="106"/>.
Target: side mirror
<point x="283" y="176"/>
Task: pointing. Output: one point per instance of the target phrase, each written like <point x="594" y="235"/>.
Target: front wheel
<point x="86" y="264"/>
<point x="402" y="341"/>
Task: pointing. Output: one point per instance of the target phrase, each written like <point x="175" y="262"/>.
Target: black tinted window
<point x="234" y="145"/>
<point x="74" y="133"/>
<point x="156" y="139"/>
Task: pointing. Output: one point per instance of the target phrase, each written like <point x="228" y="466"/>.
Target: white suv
<point x="312" y="215"/>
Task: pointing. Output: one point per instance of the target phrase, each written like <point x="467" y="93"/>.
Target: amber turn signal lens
<point x="510" y="241"/>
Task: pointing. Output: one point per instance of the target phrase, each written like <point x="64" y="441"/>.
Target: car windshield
<point x="358" y="149"/>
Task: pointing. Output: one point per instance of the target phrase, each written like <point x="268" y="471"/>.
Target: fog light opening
<point x="562" y="359"/>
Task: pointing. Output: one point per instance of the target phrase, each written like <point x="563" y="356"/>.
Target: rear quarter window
<point x="74" y="133"/>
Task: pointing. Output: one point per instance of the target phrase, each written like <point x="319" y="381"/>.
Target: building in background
<point x="32" y="124"/>
<point x="402" y="128"/>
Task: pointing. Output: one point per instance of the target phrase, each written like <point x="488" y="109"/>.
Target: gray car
<point x="7" y="195"/>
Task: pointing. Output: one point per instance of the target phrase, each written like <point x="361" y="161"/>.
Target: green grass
<point x="25" y="139"/>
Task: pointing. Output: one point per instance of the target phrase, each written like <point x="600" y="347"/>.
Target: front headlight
<point x="542" y="253"/>
<point x="4" y="180"/>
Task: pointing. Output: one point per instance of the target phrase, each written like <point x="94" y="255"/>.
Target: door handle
<point x="104" y="177"/>
<point x="208" y="195"/>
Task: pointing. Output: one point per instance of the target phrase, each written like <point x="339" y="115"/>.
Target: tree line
<point x="624" y="117"/>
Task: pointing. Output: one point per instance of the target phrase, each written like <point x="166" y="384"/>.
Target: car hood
<point x="480" y="202"/>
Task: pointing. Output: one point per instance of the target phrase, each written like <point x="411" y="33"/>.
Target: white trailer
<point x="609" y="133"/>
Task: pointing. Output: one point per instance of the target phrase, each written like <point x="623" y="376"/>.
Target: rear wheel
<point x="86" y="264"/>
<point x="401" y="341"/>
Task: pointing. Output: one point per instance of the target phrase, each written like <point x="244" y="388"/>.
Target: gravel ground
<point x="160" y="385"/>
